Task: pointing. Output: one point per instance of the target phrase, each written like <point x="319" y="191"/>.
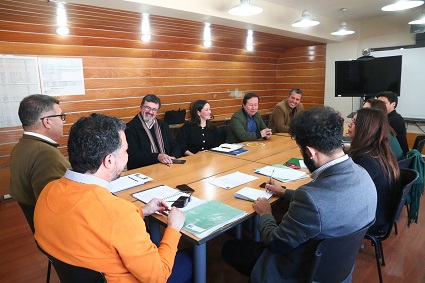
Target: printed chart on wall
<point x="21" y="76"/>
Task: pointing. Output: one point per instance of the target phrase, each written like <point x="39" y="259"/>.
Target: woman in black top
<point x="199" y="133"/>
<point x="370" y="149"/>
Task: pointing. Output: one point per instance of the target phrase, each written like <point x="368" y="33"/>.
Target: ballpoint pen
<point x="133" y="179"/>
<point x="271" y="175"/>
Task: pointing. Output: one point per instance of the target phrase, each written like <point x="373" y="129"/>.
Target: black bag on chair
<point x="175" y="116"/>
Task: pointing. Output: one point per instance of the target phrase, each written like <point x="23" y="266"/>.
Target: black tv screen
<point x="367" y="76"/>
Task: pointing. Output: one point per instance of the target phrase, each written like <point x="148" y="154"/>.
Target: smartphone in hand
<point x="179" y="161"/>
<point x="181" y="202"/>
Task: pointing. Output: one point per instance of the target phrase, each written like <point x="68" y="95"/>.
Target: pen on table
<point x="226" y="147"/>
<point x="271" y="175"/>
<point x="133" y="179"/>
<point x="166" y="164"/>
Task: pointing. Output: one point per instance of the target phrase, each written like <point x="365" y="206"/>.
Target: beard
<point x="308" y="161"/>
<point x="116" y="173"/>
<point x="147" y="118"/>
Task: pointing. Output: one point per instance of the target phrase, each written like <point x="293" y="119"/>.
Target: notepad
<point x="227" y="147"/>
<point x="232" y="180"/>
<point x="129" y="181"/>
<point x="252" y="194"/>
<point x="210" y="216"/>
<point x="281" y="173"/>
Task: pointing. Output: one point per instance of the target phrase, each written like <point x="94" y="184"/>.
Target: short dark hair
<point x="248" y="96"/>
<point x="151" y="98"/>
<point x="318" y="127"/>
<point x="391" y="96"/>
<point x="91" y="139"/>
<point x="296" y="90"/>
<point x="33" y="106"/>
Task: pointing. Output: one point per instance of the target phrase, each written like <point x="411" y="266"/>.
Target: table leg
<point x="200" y="263"/>
<point x="255" y="229"/>
<point x="238" y="231"/>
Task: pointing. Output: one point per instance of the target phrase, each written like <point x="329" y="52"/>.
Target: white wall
<point x="383" y="31"/>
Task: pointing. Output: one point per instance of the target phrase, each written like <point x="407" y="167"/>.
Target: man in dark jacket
<point x="149" y="139"/>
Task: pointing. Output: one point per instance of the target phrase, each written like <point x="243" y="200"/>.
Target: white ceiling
<point x="277" y="17"/>
<point x="356" y="9"/>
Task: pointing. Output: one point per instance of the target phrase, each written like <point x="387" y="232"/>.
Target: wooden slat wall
<point x="119" y="69"/>
<point x="303" y="68"/>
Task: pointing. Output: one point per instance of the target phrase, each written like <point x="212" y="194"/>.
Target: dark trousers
<point x="182" y="268"/>
<point x="242" y="254"/>
<point x="28" y="211"/>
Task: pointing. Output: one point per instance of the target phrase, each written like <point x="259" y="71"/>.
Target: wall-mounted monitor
<point x="367" y="76"/>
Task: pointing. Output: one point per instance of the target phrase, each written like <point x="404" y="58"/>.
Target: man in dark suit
<point x="340" y="200"/>
<point x="395" y="119"/>
<point x="149" y="139"/>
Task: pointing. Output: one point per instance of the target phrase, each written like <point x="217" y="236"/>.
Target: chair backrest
<point x="419" y="143"/>
<point x="335" y="257"/>
<point x="408" y="177"/>
<point x="222" y="133"/>
<point x="68" y="273"/>
<point x="405" y="163"/>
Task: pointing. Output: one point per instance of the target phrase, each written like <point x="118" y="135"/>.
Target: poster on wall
<point x="19" y="77"/>
<point x="61" y="76"/>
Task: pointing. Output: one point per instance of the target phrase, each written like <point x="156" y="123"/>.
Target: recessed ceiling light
<point x="402" y="5"/>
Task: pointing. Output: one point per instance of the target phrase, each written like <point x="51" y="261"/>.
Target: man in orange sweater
<point x="78" y="221"/>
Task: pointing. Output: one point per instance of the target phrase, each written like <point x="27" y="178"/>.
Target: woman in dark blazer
<point x="199" y="133"/>
<point x="370" y="149"/>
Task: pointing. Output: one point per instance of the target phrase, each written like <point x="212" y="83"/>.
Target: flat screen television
<point x="367" y="76"/>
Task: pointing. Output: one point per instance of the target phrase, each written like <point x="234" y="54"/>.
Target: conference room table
<point x="198" y="170"/>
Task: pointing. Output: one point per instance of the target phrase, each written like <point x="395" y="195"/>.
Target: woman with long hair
<point x="199" y="133"/>
<point x="370" y="149"/>
<point x="394" y="144"/>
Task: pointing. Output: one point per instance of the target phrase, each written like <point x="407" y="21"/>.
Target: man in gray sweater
<point x="340" y="200"/>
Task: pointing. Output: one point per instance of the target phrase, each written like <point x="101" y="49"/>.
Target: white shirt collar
<point x="43" y="137"/>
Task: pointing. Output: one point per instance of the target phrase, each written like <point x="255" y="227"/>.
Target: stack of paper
<point x="252" y="194"/>
<point x="232" y="180"/>
<point x="129" y="181"/>
<point x="227" y="147"/>
<point x="281" y="173"/>
<point x="168" y="194"/>
<point x="208" y="217"/>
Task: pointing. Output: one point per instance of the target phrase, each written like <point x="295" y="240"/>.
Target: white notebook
<point x="129" y="181"/>
<point x="252" y="194"/>
<point x="227" y="147"/>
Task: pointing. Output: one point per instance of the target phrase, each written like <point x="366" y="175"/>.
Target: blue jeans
<point x="182" y="268"/>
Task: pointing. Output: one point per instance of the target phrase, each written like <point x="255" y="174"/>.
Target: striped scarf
<point x="158" y="134"/>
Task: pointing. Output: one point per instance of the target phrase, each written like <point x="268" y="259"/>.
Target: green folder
<point x="294" y="160"/>
<point x="210" y="216"/>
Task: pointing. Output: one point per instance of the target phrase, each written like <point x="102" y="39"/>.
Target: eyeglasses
<point x="63" y="116"/>
<point x="149" y="108"/>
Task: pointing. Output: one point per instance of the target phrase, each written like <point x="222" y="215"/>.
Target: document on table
<point x="232" y="180"/>
<point x="227" y="147"/>
<point x="252" y="194"/>
<point x="283" y="174"/>
<point x="129" y="181"/>
<point x="209" y="217"/>
<point x="168" y="194"/>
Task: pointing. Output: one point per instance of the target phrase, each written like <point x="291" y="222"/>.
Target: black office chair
<point x="74" y="274"/>
<point x="222" y="133"/>
<point x="419" y="143"/>
<point x="405" y="163"/>
<point x="408" y="177"/>
<point x="28" y="211"/>
<point x="335" y="257"/>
